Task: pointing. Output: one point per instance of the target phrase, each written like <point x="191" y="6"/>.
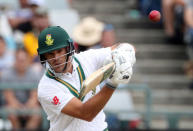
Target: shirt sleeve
<point x="53" y="99"/>
<point x="96" y="57"/>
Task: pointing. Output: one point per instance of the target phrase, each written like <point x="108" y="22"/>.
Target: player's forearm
<point x="88" y="110"/>
<point x="95" y="104"/>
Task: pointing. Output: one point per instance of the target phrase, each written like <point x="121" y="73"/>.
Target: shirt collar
<point x="75" y="64"/>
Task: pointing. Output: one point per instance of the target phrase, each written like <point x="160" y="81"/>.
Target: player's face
<point x="57" y="59"/>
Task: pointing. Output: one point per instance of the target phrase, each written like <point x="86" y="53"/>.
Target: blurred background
<point x="159" y="95"/>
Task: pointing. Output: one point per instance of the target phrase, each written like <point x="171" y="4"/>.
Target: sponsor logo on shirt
<point x="55" y="100"/>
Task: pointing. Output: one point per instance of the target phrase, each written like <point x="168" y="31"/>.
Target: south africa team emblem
<point x="49" y="41"/>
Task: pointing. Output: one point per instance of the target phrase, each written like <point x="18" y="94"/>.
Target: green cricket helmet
<point x="54" y="38"/>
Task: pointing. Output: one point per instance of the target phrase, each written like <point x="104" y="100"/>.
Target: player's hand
<point x="124" y="52"/>
<point x="124" y="58"/>
<point x="121" y="75"/>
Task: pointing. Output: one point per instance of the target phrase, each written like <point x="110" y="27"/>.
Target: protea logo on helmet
<point x="49" y="41"/>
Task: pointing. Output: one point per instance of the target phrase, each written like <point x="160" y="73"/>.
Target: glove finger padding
<point x="124" y="58"/>
<point x="126" y="51"/>
<point x="122" y="74"/>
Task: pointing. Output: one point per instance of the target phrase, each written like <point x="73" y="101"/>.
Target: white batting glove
<point x="124" y="58"/>
<point x="125" y="50"/>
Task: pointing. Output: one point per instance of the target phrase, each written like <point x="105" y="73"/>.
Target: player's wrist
<point x="111" y="84"/>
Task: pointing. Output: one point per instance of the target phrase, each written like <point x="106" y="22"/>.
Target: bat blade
<point x="96" y="78"/>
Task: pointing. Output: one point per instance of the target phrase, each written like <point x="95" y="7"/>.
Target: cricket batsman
<point x="59" y="87"/>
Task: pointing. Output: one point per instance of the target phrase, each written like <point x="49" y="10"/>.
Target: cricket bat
<point x="96" y="78"/>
